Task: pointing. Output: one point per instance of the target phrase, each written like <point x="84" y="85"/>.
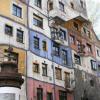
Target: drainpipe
<point x="26" y="76"/>
<point x="54" y="86"/>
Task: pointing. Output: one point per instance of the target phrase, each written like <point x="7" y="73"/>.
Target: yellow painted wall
<point x="6" y="10"/>
<point x="21" y="58"/>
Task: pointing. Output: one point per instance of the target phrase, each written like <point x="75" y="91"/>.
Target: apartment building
<point x="51" y="48"/>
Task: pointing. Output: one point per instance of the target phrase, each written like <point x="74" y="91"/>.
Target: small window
<point x="84" y="30"/>
<point x="50" y="5"/>
<point x="19" y="36"/>
<point x="49" y="96"/>
<point x="72" y="39"/>
<point x="8" y="30"/>
<point x="61" y="6"/>
<point x="17" y="11"/>
<point x="89" y="34"/>
<point x="44" y="45"/>
<point x="76" y="26"/>
<point x="64" y="57"/>
<point x="72" y="5"/>
<point x="89" y="48"/>
<point x="58" y="72"/>
<point x="77" y="59"/>
<point x="38" y="3"/>
<point x="39" y="94"/>
<point x="44" y="69"/>
<point x="56" y="49"/>
<point x="35" y="67"/>
<point x="37" y="21"/>
<point x="78" y="44"/>
<point x="36" y="42"/>
<point x="93" y="65"/>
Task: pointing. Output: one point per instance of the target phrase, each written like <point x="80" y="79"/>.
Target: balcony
<point x="58" y="15"/>
<point x="57" y="38"/>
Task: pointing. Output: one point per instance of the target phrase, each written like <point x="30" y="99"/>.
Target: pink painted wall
<point x="34" y="84"/>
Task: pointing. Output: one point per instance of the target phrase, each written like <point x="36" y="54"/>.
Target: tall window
<point x="81" y="2"/>
<point x="56" y="49"/>
<point x="98" y="53"/>
<point x="37" y="21"/>
<point x="89" y="48"/>
<point x="72" y="39"/>
<point x="50" y="5"/>
<point x="77" y="59"/>
<point x="67" y="79"/>
<point x="17" y="11"/>
<point x="39" y="94"/>
<point x="49" y="96"/>
<point x="38" y="3"/>
<point x="36" y="42"/>
<point x="8" y="30"/>
<point x="44" y="45"/>
<point x="19" y="36"/>
<point x="64" y="57"/>
<point x="58" y="73"/>
<point x="62" y="34"/>
<point x="44" y="69"/>
<point x="78" y="44"/>
<point x="93" y="65"/>
<point x="62" y="95"/>
<point x="61" y="6"/>
<point x="35" y="67"/>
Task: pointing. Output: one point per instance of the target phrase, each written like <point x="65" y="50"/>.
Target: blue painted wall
<point x="48" y="54"/>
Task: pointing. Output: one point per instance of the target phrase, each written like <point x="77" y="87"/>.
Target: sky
<point x="93" y="8"/>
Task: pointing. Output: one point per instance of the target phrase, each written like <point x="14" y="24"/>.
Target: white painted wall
<point x="46" y="29"/>
<point x="6" y="39"/>
<point x="32" y="58"/>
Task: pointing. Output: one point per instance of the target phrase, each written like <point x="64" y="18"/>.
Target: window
<point x="50" y="5"/>
<point x="84" y="30"/>
<point x="44" y="45"/>
<point x="88" y="34"/>
<point x="75" y="25"/>
<point x="8" y="30"/>
<point x="98" y="53"/>
<point x="39" y="94"/>
<point x="44" y="69"/>
<point x="56" y="50"/>
<point x="37" y="21"/>
<point x="62" y="95"/>
<point x="78" y="44"/>
<point x="36" y="42"/>
<point x="72" y="39"/>
<point x="99" y="67"/>
<point x="89" y="48"/>
<point x="77" y="59"/>
<point x="64" y="57"/>
<point x="62" y="34"/>
<point x="19" y="36"/>
<point x="92" y="83"/>
<point x="36" y="67"/>
<point x="11" y="56"/>
<point x="81" y="2"/>
<point x="67" y="79"/>
<point x="93" y="65"/>
<point x="49" y="96"/>
<point x="72" y="5"/>
<point x="61" y="6"/>
<point x="58" y="73"/>
<point x="17" y="11"/>
<point x="37" y="3"/>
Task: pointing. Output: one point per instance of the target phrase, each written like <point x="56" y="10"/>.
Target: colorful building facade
<point x="54" y="46"/>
